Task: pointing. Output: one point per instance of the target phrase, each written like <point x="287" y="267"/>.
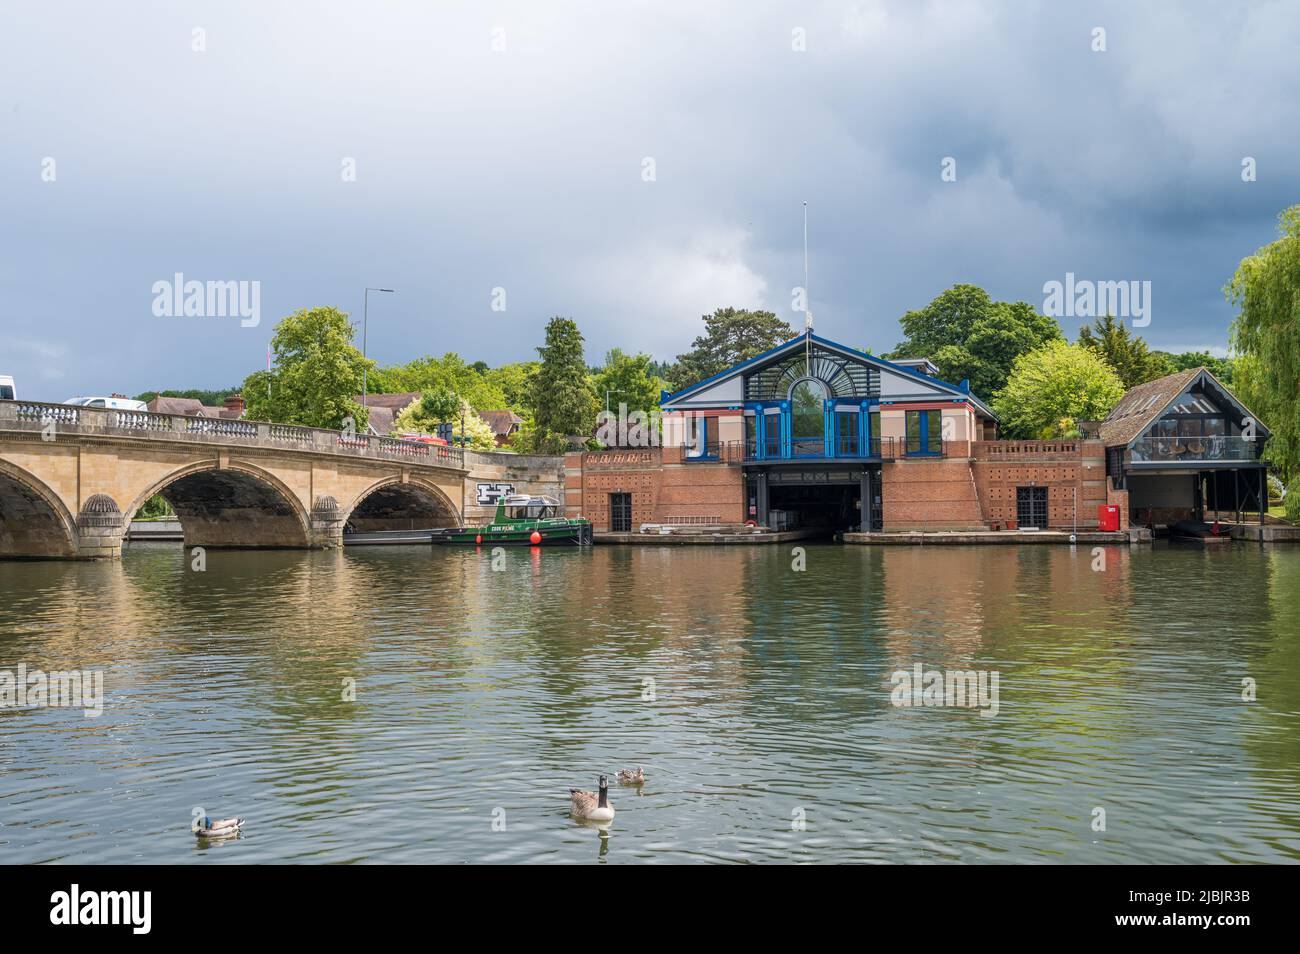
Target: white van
<point x="7" y="392"/>
<point x="116" y="403"/>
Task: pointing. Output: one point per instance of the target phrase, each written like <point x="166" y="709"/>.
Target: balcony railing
<point x="847" y="448"/>
<point x="1150" y="450"/>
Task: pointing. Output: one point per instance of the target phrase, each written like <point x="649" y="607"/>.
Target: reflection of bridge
<point x="71" y="478"/>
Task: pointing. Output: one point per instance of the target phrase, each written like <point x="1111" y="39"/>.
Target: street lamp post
<point x="365" y="327"/>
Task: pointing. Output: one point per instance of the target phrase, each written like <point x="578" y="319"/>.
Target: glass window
<point x="751" y="435"/>
<point x="846" y="427"/>
<point x="924" y="432"/>
<point x="807" y="417"/>
<point x="772" y="433"/>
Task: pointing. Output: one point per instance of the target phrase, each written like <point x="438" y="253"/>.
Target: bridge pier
<point x="326" y="523"/>
<point x="100" y="528"/>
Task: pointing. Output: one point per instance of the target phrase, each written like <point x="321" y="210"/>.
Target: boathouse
<point x="817" y="435"/>
<point x="1184" y="448"/>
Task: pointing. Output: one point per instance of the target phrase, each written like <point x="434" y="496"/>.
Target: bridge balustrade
<point x="66" y="418"/>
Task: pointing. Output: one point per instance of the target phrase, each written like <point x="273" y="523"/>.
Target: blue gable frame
<point x="850" y="385"/>
<point x="961" y="391"/>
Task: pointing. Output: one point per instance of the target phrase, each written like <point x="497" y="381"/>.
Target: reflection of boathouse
<point x="816" y="434"/>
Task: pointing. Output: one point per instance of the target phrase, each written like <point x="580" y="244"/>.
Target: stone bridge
<point x="71" y="479"/>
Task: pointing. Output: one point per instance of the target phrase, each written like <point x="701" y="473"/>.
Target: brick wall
<point x="929" y="495"/>
<point x="1074" y="473"/>
<point x="659" y="491"/>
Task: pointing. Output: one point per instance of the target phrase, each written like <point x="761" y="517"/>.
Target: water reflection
<point x="753" y="694"/>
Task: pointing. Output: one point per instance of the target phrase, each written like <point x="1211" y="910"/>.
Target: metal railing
<point x="34" y="416"/>
<point x="1191" y="449"/>
<point x="877" y="448"/>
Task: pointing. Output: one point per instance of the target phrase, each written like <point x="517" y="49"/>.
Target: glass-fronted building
<point x="812" y="421"/>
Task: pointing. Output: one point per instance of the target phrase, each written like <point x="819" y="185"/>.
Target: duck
<point x="591" y="807"/>
<point x="634" y="776"/>
<point x="205" y="827"/>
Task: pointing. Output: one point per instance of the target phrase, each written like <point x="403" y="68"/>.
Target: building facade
<point x="816" y="435"/>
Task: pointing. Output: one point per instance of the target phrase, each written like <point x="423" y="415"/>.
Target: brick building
<point x="813" y="434"/>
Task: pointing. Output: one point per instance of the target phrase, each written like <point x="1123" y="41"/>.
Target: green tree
<point x="210" y="398"/>
<point x="451" y="372"/>
<point x="1126" y="353"/>
<point x="731" y="335"/>
<point x="444" y="407"/>
<point x="315" y="375"/>
<point x="627" y="379"/>
<point x="1266" y="292"/>
<point x="1053" y="388"/>
<point x="515" y="382"/>
<point x="562" y="395"/>
<point x="1221" y="368"/>
<point x="968" y="335"/>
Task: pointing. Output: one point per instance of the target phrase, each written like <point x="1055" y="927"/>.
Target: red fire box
<point x="1108" y="517"/>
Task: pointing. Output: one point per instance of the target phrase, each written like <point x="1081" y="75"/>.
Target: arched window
<point x="807" y="418"/>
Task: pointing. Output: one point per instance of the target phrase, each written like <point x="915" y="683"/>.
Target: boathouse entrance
<point x="820" y="498"/>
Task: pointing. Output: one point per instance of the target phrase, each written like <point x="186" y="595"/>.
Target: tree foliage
<point x="562" y="397"/>
<point x="968" y="335"/>
<point x="731" y="335"/>
<point x="423" y="416"/>
<point x="1053" y="388"/>
<point x="1221" y="368"/>
<point x="1126" y="353"/>
<point x="1266" y="292"/>
<point x="450" y="373"/>
<point x="210" y="398"/>
<point x="315" y="376"/>
<point x="627" y="379"/>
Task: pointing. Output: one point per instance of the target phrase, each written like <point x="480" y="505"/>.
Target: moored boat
<point x="522" y="520"/>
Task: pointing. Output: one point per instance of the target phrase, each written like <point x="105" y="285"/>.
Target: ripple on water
<point x="757" y="698"/>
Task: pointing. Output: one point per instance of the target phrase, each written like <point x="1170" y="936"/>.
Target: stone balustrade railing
<point x="1024" y="450"/>
<point x="31" y="416"/>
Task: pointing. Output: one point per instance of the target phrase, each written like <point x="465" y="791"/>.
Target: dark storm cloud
<point x="522" y="168"/>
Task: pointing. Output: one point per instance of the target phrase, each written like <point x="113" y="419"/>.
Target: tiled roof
<point x="501" y="422"/>
<point x="395" y="402"/>
<point x="381" y="420"/>
<point x="1141" y="405"/>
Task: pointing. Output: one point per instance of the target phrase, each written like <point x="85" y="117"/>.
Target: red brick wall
<point x="659" y="491"/>
<point x="928" y="495"/>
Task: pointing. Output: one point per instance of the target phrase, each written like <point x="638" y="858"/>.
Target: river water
<point x="757" y="696"/>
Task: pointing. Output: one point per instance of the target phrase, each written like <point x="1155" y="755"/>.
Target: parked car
<point x="115" y="401"/>
<point x="7" y="391"/>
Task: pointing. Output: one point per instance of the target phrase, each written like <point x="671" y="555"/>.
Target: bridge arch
<point x="34" y="521"/>
<point x="391" y="504"/>
<point x="238" y="505"/>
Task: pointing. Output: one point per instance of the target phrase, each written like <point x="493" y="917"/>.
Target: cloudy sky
<point x="507" y="146"/>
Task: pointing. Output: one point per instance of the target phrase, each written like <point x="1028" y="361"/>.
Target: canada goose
<point x="634" y="776"/>
<point x="591" y="807"/>
<point x="205" y="827"/>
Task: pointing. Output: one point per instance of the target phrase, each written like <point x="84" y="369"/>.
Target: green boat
<point x="522" y="520"/>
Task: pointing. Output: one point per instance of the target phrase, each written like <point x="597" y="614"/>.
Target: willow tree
<point x="1266" y="332"/>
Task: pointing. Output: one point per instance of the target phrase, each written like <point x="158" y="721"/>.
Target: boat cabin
<point x="525" y="507"/>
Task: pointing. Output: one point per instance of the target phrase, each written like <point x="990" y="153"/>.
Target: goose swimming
<point x="589" y="806"/>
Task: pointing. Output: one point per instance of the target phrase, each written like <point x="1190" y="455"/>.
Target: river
<point x="754" y="685"/>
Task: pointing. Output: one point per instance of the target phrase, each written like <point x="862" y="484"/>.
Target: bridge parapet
<point x="35" y="417"/>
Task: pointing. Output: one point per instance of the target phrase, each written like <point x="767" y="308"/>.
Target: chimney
<point x="235" y="403"/>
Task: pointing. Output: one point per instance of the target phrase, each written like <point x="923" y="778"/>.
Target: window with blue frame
<point x="847" y="443"/>
<point x="808" y="419"/>
<point x="697" y="438"/>
<point x="772" y="434"/>
<point x="924" y="433"/>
